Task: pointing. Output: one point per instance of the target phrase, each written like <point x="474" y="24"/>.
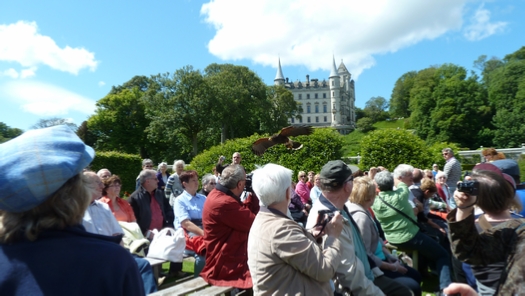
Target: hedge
<point x="126" y="166"/>
<point x="323" y="145"/>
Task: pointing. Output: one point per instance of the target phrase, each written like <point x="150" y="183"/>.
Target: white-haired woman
<point x="443" y="190"/>
<point x="280" y="250"/>
<point x="162" y="175"/>
<point x="174" y="186"/>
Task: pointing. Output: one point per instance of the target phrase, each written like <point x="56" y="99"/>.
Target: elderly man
<point x="227" y="222"/>
<point x="147" y="164"/>
<point x="354" y="274"/>
<point x="98" y="219"/>
<point x="452" y="170"/>
<point x="236" y="159"/>
<point x="104" y="173"/>
<point x="208" y="184"/>
<point x="149" y="204"/>
<point x="284" y="258"/>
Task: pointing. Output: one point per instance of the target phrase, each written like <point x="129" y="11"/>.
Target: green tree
<point x="391" y="147"/>
<point x="365" y="124"/>
<point x="7" y="133"/>
<point x="53" y="121"/>
<point x="280" y="107"/>
<point x="86" y="135"/>
<point x="506" y="93"/>
<point x="421" y="102"/>
<point x="240" y="99"/>
<point x="119" y="123"/>
<point x="400" y="99"/>
<point x="180" y="105"/>
<point x="375" y="109"/>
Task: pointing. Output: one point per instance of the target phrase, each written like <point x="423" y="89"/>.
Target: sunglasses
<point x="446" y="153"/>
<point x="302" y="176"/>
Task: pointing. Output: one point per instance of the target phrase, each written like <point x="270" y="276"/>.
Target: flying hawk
<point x="259" y="146"/>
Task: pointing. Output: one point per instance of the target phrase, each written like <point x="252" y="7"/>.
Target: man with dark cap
<point x="511" y="168"/>
<point x="354" y="274"/>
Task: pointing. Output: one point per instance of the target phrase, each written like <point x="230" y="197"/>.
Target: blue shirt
<point x="188" y="207"/>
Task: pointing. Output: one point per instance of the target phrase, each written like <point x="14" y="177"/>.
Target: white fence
<point x="513" y="153"/>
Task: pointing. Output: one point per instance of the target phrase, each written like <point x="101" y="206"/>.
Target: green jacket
<point x="398" y="229"/>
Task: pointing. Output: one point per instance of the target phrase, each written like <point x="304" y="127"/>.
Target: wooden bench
<point x="196" y="286"/>
<point x="156" y="266"/>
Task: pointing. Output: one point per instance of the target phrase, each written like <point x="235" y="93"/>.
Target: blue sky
<point x="57" y="58"/>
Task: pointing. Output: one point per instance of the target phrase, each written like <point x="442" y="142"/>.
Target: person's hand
<point x="459" y="289"/>
<point x="400" y="268"/>
<point x="307" y="207"/>
<point x="463" y="200"/>
<point x="334" y="226"/>
<point x="305" y="212"/>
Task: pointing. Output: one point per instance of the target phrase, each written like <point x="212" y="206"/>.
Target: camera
<point x="469" y="187"/>
<point x="248" y="183"/>
<point x="324" y="216"/>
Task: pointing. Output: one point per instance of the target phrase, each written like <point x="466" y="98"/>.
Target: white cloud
<point x="480" y="26"/>
<point x="22" y="43"/>
<point x="45" y="99"/>
<point x="10" y="73"/>
<point x="29" y="72"/>
<point x="101" y="83"/>
<point x="309" y="32"/>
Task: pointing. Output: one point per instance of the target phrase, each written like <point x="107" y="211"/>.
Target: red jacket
<point x="227" y="222"/>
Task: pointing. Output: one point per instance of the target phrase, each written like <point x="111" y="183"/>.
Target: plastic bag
<point x="168" y="244"/>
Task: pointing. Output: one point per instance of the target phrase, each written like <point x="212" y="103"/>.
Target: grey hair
<point x="145" y="174"/>
<point x="402" y="170"/>
<point x="206" y="179"/>
<point x="179" y="161"/>
<point x="101" y="171"/>
<point x="448" y="150"/>
<point x="441" y="174"/>
<point x="146" y="161"/>
<point x="384" y="181"/>
<point x="232" y="175"/>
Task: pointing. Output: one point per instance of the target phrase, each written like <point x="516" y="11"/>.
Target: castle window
<point x="308" y="108"/>
<point x="333" y="94"/>
<point x="300" y="96"/>
<point x="292" y="120"/>
<point x="324" y="95"/>
<point x="317" y="119"/>
<point x="324" y="108"/>
<point x="307" y="96"/>
<point x="316" y="108"/>
<point x="308" y="119"/>
<point x="325" y="119"/>
<point x="301" y="120"/>
<point x="316" y="96"/>
<point x="333" y="83"/>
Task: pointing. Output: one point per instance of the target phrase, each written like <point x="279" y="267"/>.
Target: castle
<point x="324" y="103"/>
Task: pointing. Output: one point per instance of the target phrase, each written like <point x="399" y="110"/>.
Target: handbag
<point x="168" y="244"/>
<point x="133" y="239"/>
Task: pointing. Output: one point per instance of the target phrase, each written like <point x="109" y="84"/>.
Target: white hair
<point x="271" y="182"/>
<point x="441" y="174"/>
<point x="402" y="170"/>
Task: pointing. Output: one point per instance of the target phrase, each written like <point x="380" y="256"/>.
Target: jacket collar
<point x="273" y="211"/>
<point x="227" y="191"/>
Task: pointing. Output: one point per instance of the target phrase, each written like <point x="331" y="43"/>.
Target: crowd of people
<point x="328" y="233"/>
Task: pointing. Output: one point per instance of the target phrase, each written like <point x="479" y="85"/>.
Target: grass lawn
<point x="400" y="123"/>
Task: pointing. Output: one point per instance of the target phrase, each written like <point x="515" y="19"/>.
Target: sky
<point x="58" y="58"/>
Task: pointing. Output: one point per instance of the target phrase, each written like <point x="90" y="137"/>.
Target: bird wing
<point x="296" y="145"/>
<point x="259" y="146"/>
<point x="296" y="130"/>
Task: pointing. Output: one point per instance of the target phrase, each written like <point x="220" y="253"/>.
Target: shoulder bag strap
<point x="403" y="214"/>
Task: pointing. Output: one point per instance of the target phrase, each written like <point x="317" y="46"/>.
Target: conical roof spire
<point x="334" y="73"/>
<point x="279" y="75"/>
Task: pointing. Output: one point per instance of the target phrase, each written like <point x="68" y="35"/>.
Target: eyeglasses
<point x="212" y="183"/>
<point x="445" y="153"/>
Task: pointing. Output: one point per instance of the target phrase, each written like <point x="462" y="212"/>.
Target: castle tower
<point x="335" y="95"/>
<point x="279" y="78"/>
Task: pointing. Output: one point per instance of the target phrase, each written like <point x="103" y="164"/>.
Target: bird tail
<point x="296" y="145"/>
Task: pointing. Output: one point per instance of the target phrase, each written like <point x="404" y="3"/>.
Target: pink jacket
<point x="303" y="191"/>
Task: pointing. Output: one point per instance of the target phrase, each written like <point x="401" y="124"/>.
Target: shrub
<point x="127" y="166"/>
<point x="391" y="147"/>
<point x="318" y="148"/>
<point x="365" y="124"/>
